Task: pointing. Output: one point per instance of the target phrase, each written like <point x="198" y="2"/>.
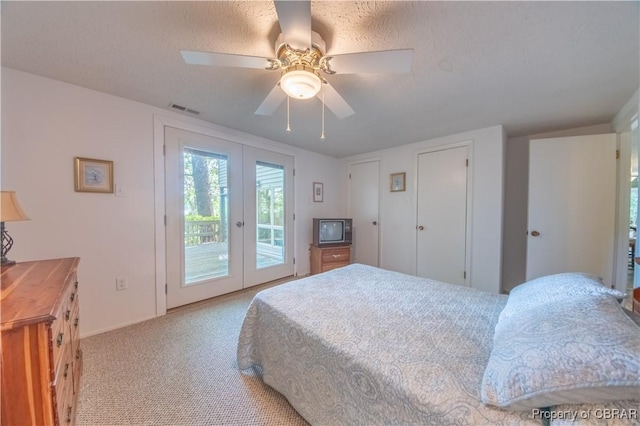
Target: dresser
<point x="41" y="355"/>
<point x="324" y="259"/>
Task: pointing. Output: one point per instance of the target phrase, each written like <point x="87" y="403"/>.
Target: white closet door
<point x="364" y="205"/>
<point x="572" y="204"/>
<point x="442" y="215"/>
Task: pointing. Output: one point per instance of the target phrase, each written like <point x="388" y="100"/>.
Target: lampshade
<point x="300" y="84"/>
<point x="10" y="210"/>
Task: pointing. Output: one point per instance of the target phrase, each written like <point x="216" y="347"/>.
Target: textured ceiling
<point x="531" y="66"/>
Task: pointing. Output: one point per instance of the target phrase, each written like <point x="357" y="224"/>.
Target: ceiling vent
<point x="184" y="109"/>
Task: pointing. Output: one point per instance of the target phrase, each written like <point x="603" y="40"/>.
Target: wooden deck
<point x="210" y="260"/>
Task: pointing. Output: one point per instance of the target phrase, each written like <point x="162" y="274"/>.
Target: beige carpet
<point x="179" y="369"/>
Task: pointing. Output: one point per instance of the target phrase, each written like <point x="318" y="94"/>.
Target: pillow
<point x="567" y="351"/>
<point x="540" y="291"/>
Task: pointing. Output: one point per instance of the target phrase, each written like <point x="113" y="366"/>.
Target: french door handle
<point x="239" y="224"/>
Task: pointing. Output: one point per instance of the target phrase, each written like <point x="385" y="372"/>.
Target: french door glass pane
<point x="270" y="247"/>
<point x="206" y="225"/>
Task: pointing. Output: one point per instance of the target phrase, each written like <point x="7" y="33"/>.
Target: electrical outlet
<point x="121" y="283"/>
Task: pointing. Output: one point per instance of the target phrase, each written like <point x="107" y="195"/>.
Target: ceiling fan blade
<point x="335" y="102"/>
<point x="295" y="22"/>
<point x="224" y="59"/>
<point x="383" y="61"/>
<point x="272" y="101"/>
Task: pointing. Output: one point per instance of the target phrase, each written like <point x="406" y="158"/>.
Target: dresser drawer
<point x="60" y="339"/>
<point x="333" y="265"/>
<point x="63" y="386"/>
<point x="61" y="334"/>
<point x="338" y="254"/>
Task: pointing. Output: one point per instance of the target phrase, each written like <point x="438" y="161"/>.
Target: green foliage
<point x="265" y="198"/>
<point x="196" y="218"/>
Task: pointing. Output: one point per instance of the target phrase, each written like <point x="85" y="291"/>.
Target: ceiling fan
<point x="302" y="60"/>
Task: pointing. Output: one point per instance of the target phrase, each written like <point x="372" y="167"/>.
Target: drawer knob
<point x="335" y="256"/>
<point x="75" y="286"/>
<point x="75" y="323"/>
<point x="73" y="296"/>
<point x="59" y="339"/>
<point x="66" y="370"/>
<point x="67" y="315"/>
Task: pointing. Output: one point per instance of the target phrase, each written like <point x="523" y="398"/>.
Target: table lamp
<point x="10" y="211"/>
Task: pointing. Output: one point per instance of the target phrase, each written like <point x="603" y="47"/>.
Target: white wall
<point x="45" y="124"/>
<point x="398" y="209"/>
<point x="514" y="261"/>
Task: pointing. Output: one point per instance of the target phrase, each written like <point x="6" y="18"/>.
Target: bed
<point x="362" y="345"/>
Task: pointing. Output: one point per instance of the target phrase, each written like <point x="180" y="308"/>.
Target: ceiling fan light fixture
<point x="300" y="83"/>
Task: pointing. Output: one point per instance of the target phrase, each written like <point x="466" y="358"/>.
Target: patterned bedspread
<point x="361" y="345"/>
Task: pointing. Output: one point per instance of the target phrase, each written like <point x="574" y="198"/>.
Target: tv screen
<point x="331" y="231"/>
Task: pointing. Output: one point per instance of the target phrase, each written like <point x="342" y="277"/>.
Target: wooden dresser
<point x="41" y="355"/>
<point x="324" y="259"/>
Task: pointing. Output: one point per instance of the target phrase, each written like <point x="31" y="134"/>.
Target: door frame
<point x="621" y="242"/>
<point x="464" y="144"/>
<point x="161" y="121"/>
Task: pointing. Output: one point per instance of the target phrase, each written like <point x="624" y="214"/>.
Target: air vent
<point x="183" y="109"/>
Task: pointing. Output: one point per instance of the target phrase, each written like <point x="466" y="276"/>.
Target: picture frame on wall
<point x="317" y="192"/>
<point x="398" y="182"/>
<point x="92" y="175"/>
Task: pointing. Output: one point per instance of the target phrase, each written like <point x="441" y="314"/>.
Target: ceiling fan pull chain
<point x="322" y="135"/>
<point x="288" y="126"/>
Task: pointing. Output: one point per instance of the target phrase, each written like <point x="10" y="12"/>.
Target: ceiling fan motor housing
<point x="300" y="68"/>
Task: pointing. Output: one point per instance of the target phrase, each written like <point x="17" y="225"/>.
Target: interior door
<point x="441" y="227"/>
<point x="572" y="202"/>
<point x="364" y="206"/>
<point x="268" y="229"/>
<point x="203" y="205"/>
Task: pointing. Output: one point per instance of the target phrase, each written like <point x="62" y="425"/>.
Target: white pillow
<point x="540" y="291"/>
<point x="575" y="350"/>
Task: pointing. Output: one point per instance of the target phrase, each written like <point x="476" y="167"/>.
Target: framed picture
<point x="398" y="181"/>
<point x="317" y="192"/>
<point x="93" y="175"/>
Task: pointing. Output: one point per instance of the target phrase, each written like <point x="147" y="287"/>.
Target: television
<point x="332" y="232"/>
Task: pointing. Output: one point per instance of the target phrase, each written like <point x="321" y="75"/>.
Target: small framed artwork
<point x="93" y="175"/>
<point x="317" y="192"/>
<point x="398" y="181"/>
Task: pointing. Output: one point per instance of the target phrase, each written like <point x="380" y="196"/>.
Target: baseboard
<point x="116" y="327"/>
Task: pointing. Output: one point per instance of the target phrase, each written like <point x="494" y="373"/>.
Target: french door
<point x="229" y="216"/>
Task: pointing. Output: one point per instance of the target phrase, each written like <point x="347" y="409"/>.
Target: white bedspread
<point x="361" y="345"/>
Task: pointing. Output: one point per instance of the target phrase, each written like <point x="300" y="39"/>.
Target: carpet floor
<point x="178" y="369"/>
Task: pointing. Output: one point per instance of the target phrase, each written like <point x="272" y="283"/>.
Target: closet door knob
<point x="375" y="223"/>
<point x="535" y="234"/>
<point x="421" y="228"/>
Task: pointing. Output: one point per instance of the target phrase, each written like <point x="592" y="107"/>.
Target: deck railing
<point x="201" y="231"/>
<point x="197" y="232"/>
